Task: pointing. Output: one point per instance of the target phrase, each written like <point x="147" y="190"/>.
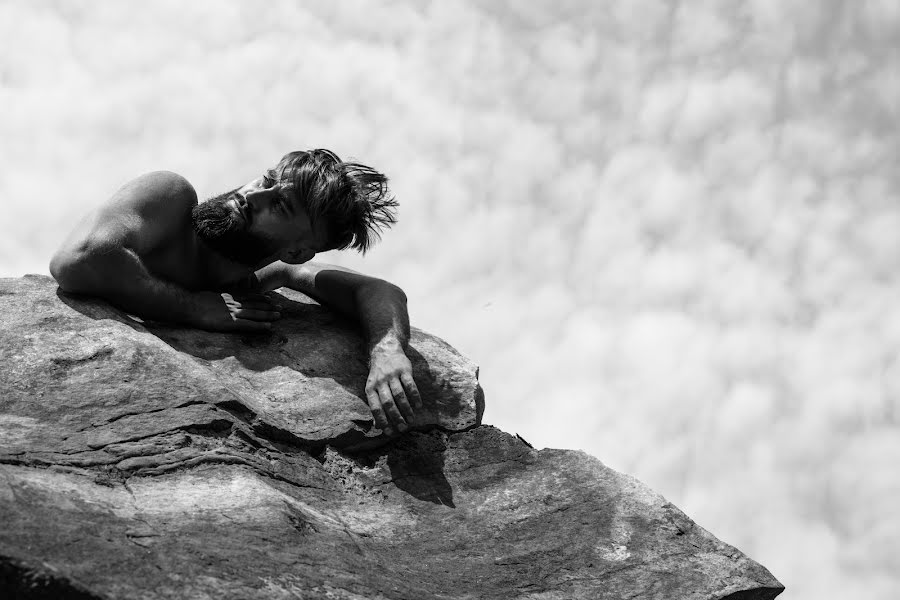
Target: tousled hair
<point x="353" y="200"/>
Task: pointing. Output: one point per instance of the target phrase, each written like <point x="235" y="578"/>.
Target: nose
<point x="259" y="196"/>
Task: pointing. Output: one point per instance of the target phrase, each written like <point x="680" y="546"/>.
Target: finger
<point x="377" y="411"/>
<point x="400" y="399"/>
<point x="258" y="299"/>
<point x="387" y="402"/>
<point x="229" y="300"/>
<point x="256" y="315"/>
<point x="275" y="301"/>
<point x="412" y="391"/>
<point x="257" y="305"/>
<point x="252" y="326"/>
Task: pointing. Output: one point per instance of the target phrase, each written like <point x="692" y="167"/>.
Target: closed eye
<point x="268" y="180"/>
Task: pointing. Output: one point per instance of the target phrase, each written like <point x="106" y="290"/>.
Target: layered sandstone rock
<point x="145" y="461"/>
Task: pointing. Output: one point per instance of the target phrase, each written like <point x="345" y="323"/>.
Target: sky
<point x="666" y="231"/>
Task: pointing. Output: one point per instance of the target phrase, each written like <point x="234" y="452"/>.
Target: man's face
<point x="259" y="223"/>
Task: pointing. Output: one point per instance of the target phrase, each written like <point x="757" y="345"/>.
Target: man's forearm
<point x="391" y="389"/>
<point x="379" y="306"/>
<point x="118" y="276"/>
<point x="383" y="315"/>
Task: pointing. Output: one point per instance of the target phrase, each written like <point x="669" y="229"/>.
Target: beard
<point x="216" y="223"/>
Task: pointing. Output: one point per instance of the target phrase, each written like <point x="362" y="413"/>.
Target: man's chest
<point x="184" y="263"/>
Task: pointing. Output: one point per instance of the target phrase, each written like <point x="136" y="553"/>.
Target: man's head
<point x="310" y="202"/>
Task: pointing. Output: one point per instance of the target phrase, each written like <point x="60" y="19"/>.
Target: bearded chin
<point x="216" y="223"/>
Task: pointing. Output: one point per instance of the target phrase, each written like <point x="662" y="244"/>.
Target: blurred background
<point x="669" y="232"/>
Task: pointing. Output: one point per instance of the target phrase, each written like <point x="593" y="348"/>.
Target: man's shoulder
<point x="159" y="186"/>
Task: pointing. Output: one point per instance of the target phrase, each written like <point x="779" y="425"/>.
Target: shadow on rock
<point x="416" y="463"/>
<point x="304" y="381"/>
<point x="308" y="339"/>
<point x="98" y="309"/>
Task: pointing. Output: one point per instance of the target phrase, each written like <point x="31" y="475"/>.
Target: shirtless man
<point x="156" y="253"/>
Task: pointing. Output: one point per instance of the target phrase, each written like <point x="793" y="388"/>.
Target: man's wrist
<point x="389" y="344"/>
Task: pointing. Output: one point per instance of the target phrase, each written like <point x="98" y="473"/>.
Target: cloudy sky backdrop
<point x="669" y="232"/>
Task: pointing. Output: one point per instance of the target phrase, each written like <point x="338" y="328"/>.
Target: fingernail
<point x="402" y="427"/>
<point x="388" y="431"/>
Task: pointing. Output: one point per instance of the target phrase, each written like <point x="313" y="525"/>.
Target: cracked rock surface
<point x="144" y="461"/>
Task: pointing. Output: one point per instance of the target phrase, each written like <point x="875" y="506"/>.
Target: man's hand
<point x="391" y="389"/>
<point x="233" y="312"/>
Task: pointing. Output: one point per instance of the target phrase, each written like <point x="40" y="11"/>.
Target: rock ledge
<point x="144" y="461"/>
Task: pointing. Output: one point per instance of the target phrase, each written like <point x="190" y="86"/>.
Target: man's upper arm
<point x="307" y="277"/>
<point x="139" y="217"/>
<point x="329" y="285"/>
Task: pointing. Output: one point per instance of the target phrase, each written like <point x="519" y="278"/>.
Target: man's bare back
<point x="156" y="252"/>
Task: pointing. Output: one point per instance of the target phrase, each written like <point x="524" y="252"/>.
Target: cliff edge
<point x="139" y="460"/>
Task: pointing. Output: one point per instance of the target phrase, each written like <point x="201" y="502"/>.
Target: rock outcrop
<point x="145" y="461"/>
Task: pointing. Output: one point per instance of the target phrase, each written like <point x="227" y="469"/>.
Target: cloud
<point x="666" y="232"/>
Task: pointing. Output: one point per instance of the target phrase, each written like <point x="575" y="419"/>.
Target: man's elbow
<point x="72" y="271"/>
<point x="64" y="269"/>
<point x="399" y="292"/>
<point x="386" y="289"/>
